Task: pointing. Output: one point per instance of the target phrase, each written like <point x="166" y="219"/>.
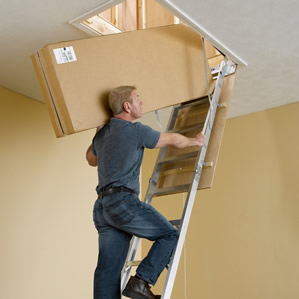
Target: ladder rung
<point x="171" y="190"/>
<point x="193" y="103"/>
<point x="188" y="129"/>
<point x="193" y="113"/>
<point x="176" y="223"/>
<point x="178" y="157"/>
<point x="175" y="171"/>
<point x="133" y="263"/>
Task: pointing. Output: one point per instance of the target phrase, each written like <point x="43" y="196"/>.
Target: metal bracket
<point x="221" y="105"/>
<point x="208" y="164"/>
<point x="229" y="69"/>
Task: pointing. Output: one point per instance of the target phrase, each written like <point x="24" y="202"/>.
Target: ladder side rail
<point x="173" y="117"/>
<point x="216" y="95"/>
<point x="131" y="255"/>
<point x="148" y="199"/>
<point x="169" y="282"/>
<point x="174" y="263"/>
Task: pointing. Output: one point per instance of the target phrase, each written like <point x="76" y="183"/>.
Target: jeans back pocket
<point x="120" y="213"/>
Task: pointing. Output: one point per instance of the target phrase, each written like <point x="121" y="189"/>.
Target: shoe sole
<point x="132" y="295"/>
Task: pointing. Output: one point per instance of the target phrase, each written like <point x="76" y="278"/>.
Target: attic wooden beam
<point x="113" y="16"/>
<point x="139" y="14"/>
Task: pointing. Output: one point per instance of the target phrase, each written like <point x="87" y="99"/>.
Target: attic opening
<point x="132" y="15"/>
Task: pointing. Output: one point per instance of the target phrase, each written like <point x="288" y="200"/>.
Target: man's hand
<point x="200" y="139"/>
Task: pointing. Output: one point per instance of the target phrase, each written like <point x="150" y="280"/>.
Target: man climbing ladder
<point x="117" y="150"/>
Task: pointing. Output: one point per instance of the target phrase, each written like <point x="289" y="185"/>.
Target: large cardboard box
<point x="166" y="64"/>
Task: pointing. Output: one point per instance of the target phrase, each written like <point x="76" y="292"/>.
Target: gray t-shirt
<point x="119" y="148"/>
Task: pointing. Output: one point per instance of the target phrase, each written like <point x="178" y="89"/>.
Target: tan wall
<point x="243" y="240"/>
<point x="48" y="242"/>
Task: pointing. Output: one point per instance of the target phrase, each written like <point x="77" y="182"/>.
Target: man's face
<point x="136" y="110"/>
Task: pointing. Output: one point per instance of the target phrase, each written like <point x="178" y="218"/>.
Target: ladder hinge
<point x="221" y="105"/>
<point x="208" y="164"/>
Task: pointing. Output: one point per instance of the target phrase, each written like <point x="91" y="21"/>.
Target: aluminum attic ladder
<point x="204" y="110"/>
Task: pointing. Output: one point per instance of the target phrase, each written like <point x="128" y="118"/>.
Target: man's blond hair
<point x="118" y="96"/>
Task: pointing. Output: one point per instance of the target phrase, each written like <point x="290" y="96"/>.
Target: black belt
<point x="113" y="190"/>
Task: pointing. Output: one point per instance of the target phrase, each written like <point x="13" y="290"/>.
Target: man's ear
<point x="126" y="107"/>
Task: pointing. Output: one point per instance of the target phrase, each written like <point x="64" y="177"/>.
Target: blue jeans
<point x="117" y="217"/>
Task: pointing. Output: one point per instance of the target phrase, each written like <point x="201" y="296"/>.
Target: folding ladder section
<point x="180" y="170"/>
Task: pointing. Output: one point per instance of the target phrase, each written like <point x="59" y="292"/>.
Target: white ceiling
<point x="264" y="33"/>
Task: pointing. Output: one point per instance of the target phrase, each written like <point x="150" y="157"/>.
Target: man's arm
<point x="90" y="157"/>
<point x="180" y="141"/>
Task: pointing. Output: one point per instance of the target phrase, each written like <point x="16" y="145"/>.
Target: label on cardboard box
<point x="65" y="55"/>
